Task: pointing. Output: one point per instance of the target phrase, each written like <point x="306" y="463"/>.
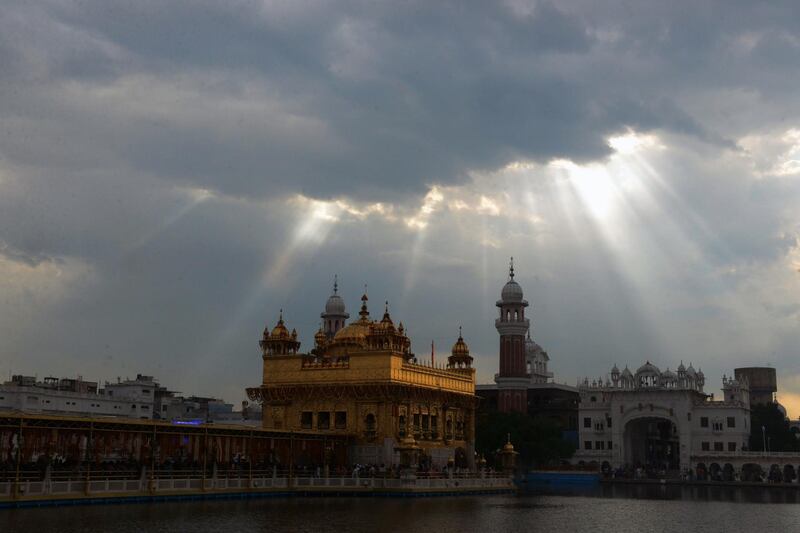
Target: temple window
<point x="587" y="445"/>
<point x="340" y="420"/>
<point x="587" y="422"/>
<point x="306" y="419"/>
<point x="731" y="446"/>
<point x="705" y="446"/>
<point x="718" y="447"/>
<point x="323" y="420"/>
<point x="731" y="421"/>
<point x="369" y="423"/>
<point x="703" y="421"/>
<point x="401" y="423"/>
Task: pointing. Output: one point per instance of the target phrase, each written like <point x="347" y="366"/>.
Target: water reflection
<point x="631" y="508"/>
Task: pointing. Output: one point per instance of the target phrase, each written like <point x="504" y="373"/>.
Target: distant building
<point x="142" y="397"/>
<point x="130" y="399"/>
<point x="660" y="420"/>
<point x="763" y="383"/>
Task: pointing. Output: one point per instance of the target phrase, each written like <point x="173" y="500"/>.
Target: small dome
<point x="690" y="371"/>
<point x="459" y="355"/>
<point x="386" y="321"/>
<point x="460" y="348"/>
<point x="614" y="369"/>
<point x="681" y="368"/>
<point x="280" y="331"/>
<point x="335" y="304"/>
<point x="669" y="374"/>
<point x="626" y="373"/>
<point x="532" y="347"/>
<point x="319" y="337"/>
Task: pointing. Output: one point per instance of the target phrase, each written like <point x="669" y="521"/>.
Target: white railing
<point x="108" y="487"/>
<point x="748" y="454"/>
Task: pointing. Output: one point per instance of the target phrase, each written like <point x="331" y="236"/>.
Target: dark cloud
<point x="365" y="98"/>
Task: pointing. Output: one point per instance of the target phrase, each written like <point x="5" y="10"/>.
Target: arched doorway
<point x="728" y="473"/>
<point x="652" y="443"/>
<point x="701" y="471"/>
<point x="751" y="472"/>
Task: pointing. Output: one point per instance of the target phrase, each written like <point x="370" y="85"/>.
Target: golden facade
<point x="362" y="380"/>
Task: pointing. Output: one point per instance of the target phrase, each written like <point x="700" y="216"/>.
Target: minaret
<point x="335" y="315"/>
<point x="513" y="379"/>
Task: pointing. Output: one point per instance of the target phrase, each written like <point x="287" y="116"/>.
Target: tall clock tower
<point x="513" y="378"/>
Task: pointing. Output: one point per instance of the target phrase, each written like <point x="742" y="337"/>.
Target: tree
<point x="777" y="433"/>
<point x="538" y="440"/>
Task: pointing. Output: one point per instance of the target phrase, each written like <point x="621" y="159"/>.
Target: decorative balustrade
<point x="260" y="482"/>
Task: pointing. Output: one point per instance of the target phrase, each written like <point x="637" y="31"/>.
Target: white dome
<point x="334" y="305"/>
<point x="648" y="368"/>
<point x="511" y="292"/>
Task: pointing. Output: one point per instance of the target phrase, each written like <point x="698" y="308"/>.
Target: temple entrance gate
<point x="652" y="442"/>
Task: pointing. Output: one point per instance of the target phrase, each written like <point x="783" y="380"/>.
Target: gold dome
<point x="355" y="333"/>
<point x="280" y="332"/>
<point x="460" y="356"/>
<point x="460" y="348"/>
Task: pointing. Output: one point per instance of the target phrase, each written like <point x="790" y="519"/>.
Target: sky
<point x="172" y="174"/>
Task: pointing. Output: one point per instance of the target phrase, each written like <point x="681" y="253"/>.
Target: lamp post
<point x="764" y="437"/>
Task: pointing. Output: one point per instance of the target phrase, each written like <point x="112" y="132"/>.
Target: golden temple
<point x="361" y="380"/>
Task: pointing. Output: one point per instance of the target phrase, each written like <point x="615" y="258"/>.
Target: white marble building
<point x="660" y="419"/>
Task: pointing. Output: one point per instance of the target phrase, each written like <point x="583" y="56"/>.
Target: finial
<point x="335" y="283"/>
<point x="508" y="438"/>
<point x="386" y="307"/>
<point x="280" y="316"/>
<point x="459" y="332"/>
<point x="511" y="269"/>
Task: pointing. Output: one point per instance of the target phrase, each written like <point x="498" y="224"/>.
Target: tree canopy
<point x="538" y="440"/>
<point x="778" y="435"/>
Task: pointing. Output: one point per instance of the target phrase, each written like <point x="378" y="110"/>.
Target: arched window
<point x="369" y="423"/>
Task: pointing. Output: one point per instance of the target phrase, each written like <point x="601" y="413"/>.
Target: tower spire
<point x="364" y="313"/>
<point x="335" y="284"/>
<point x="511" y="269"/>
